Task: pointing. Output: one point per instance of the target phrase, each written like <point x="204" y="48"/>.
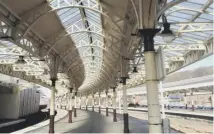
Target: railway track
<point x="175" y="112"/>
<point x="27" y="121"/>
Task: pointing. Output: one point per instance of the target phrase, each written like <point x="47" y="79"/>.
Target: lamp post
<point x="167" y="35"/>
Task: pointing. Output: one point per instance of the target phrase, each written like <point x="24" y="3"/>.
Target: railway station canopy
<point x="81" y="42"/>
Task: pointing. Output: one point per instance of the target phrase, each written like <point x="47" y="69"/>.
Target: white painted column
<point x="86" y="103"/>
<point x="106" y="103"/>
<point x="114" y="100"/>
<point x="70" y="102"/>
<point x="125" y="107"/>
<point x="75" y="101"/>
<point x="93" y="102"/>
<point x="154" y="117"/>
<point x="52" y="106"/>
<point x="106" y="99"/>
<point x="99" y="101"/>
<point x="70" y="108"/>
<point x="80" y="101"/>
<point x="120" y="104"/>
<point x="52" y="100"/>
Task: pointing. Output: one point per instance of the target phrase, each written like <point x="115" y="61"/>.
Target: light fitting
<point x="135" y="70"/>
<point x="167" y="35"/>
<point x="21" y="60"/>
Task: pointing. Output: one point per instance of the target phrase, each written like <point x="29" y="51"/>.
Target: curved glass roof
<point x="191" y="21"/>
<point x="84" y="27"/>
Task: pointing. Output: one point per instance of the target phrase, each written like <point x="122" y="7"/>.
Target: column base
<point x="99" y="109"/>
<point x="193" y="108"/>
<point x="80" y="107"/>
<point x="106" y="111"/>
<point x="51" y="124"/>
<point x="186" y="106"/>
<point x="86" y="108"/>
<point x="92" y="108"/>
<point x="114" y="115"/>
<point x="70" y="116"/>
<point x="126" y="122"/>
<point x="75" y="112"/>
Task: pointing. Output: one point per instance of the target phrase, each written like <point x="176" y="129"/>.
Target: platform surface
<point x="93" y="122"/>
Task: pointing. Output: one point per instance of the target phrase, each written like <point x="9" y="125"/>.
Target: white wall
<point x="23" y="103"/>
<point x="29" y="101"/>
<point x="9" y="106"/>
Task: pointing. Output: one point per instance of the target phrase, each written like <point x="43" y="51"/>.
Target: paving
<point x="93" y="122"/>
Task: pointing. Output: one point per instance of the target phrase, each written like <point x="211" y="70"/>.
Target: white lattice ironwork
<point x="99" y="33"/>
<point x="25" y="37"/>
<point x="8" y="70"/>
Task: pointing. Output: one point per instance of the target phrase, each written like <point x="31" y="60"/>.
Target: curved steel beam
<point x="61" y="8"/>
<point x="94" y="62"/>
<point x="136" y="13"/>
<point x="66" y="35"/>
<point x="98" y="82"/>
<point x="95" y="85"/>
<point x="169" y="5"/>
<point x="90" y="63"/>
<point x="69" y="52"/>
<point x="188" y="10"/>
<point x="84" y="57"/>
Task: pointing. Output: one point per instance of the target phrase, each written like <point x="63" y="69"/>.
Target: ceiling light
<point x="167" y="35"/>
<point x="21" y="60"/>
<point x="135" y="70"/>
<point x="120" y="81"/>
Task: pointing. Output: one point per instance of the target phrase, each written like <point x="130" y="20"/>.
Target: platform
<point x="93" y="122"/>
